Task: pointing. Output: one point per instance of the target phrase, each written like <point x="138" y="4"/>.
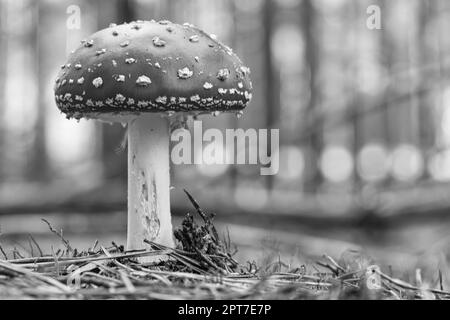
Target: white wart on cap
<point x="149" y="66"/>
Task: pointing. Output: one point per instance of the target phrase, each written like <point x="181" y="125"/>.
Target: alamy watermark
<point x="73" y="21"/>
<point x="231" y="146"/>
<point x="373" y="278"/>
<point x="373" y="21"/>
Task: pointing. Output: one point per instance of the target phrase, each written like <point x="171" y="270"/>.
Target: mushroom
<point x="143" y="74"/>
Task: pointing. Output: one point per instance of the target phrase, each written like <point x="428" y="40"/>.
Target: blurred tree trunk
<point x="436" y="10"/>
<point x="233" y="172"/>
<point x="3" y="51"/>
<point x="426" y="132"/>
<point x="357" y="103"/>
<point x="426" y="139"/>
<point x="313" y="177"/>
<point x="126" y="10"/>
<point x="169" y="11"/>
<point x="272" y="82"/>
<point x="113" y="135"/>
<point x="38" y="164"/>
<point x="387" y="51"/>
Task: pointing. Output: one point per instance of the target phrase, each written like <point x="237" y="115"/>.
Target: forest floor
<point x="207" y="265"/>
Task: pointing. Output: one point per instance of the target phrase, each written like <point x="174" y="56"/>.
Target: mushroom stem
<point x="148" y="182"/>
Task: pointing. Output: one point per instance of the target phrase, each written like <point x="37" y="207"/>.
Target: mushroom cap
<point x="149" y="66"/>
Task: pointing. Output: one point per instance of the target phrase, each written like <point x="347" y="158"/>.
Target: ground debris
<point x="201" y="267"/>
<point x="204" y="243"/>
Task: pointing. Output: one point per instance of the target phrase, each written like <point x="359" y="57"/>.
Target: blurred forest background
<point x="364" y="119"/>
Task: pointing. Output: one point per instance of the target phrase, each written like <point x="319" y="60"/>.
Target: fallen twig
<point x="59" y="234"/>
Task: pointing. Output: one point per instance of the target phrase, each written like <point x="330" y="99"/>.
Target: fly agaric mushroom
<point x="142" y="74"/>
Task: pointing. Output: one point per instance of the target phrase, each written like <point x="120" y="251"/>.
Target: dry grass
<point x="202" y="267"/>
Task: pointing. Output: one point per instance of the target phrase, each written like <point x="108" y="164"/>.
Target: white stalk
<point x="149" y="214"/>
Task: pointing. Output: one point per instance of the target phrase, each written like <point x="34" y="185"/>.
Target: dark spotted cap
<point x="149" y="66"/>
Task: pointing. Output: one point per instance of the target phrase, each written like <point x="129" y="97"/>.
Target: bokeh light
<point x="406" y="163"/>
<point x="70" y="142"/>
<point x="336" y="163"/>
<point x="445" y="120"/>
<point x="373" y="162"/>
<point x="370" y="77"/>
<point x="210" y="167"/>
<point x="439" y="166"/>
<point x="287" y="45"/>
